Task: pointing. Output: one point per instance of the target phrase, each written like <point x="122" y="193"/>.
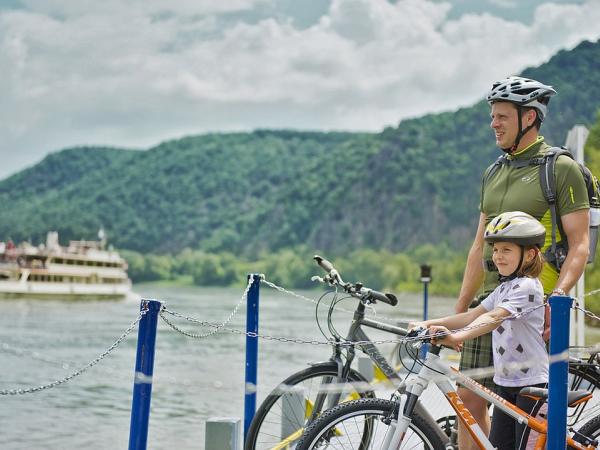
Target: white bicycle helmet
<point x="522" y="92"/>
<point x="516" y="227"/>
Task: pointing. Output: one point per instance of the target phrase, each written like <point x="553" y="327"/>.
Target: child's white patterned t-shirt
<point x="520" y="356"/>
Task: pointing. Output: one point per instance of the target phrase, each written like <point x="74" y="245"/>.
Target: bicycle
<point x="300" y="398"/>
<point x="371" y="424"/>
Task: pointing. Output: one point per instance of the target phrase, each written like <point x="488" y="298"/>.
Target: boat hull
<point x="18" y="289"/>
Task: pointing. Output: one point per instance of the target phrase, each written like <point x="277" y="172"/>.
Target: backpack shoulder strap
<point x="493" y="168"/>
<point x="547" y="175"/>
<point x="548" y="184"/>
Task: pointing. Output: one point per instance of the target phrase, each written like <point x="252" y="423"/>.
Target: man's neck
<point x="526" y="141"/>
<point x="526" y="149"/>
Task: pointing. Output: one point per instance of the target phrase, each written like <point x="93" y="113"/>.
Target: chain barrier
<point x="331" y="342"/>
<point x="587" y="313"/>
<point x="82" y="369"/>
<point x="272" y="285"/>
<point x="595" y="291"/>
<point x="220" y="327"/>
<point x="217" y="326"/>
<point x="344" y="343"/>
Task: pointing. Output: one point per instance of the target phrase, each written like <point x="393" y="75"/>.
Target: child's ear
<point x="531" y="253"/>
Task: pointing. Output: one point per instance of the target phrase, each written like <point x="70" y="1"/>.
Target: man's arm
<point x="473" y="277"/>
<point x="576" y="226"/>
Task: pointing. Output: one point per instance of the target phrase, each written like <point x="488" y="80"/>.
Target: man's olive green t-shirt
<point x="513" y="188"/>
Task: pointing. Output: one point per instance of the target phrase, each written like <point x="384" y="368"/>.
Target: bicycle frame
<point x="357" y="334"/>
<point x="430" y="371"/>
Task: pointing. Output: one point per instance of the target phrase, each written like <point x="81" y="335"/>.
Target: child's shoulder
<point x="527" y="284"/>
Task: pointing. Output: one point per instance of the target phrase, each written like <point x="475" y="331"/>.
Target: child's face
<point x="506" y="256"/>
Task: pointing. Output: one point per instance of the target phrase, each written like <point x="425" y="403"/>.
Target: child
<point x="516" y="238"/>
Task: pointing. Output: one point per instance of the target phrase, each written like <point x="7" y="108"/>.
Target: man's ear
<point x="531" y="116"/>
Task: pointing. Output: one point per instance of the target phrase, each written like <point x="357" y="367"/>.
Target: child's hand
<point x="413" y="325"/>
<point x="447" y="339"/>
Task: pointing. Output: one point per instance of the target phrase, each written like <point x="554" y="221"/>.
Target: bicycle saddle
<point x="573" y="397"/>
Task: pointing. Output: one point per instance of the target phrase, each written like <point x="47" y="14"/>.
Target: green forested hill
<point x="248" y="193"/>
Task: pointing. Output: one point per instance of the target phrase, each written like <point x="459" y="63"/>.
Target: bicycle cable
<point x="422" y="361"/>
<point x="317" y="312"/>
<point x="412" y="368"/>
<point x="330" y="325"/>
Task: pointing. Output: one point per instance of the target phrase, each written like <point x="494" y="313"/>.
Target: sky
<point x="133" y="73"/>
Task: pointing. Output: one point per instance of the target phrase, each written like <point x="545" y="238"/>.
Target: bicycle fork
<point x="406" y="406"/>
<point x="398" y="427"/>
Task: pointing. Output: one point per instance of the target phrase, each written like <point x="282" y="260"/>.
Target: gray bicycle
<point x="303" y="396"/>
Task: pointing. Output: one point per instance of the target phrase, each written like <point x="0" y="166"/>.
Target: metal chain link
<point x="82" y="369"/>
<point x="317" y="342"/>
<point x="220" y="327"/>
<point x="389" y="320"/>
<point x="213" y="325"/>
<point x="587" y="312"/>
<point x="302" y="297"/>
<point x="595" y="291"/>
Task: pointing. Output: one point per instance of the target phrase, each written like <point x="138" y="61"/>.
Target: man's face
<point x="504" y="123"/>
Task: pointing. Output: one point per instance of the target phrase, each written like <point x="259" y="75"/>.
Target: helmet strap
<point x="513" y="275"/>
<point x="521" y="132"/>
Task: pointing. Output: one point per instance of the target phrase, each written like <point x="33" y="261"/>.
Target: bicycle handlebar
<point x="388" y="298"/>
<point x="356" y="289"/>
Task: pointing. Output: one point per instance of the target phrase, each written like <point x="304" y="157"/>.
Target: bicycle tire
<point x="263" y="432"/>
<point x="360" y="424"/>
<point x="590" y="430"/>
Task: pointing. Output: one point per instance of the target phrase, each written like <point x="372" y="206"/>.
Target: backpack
<point x="556" y="253"/>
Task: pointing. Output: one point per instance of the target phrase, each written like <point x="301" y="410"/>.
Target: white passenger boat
<point x="83" y="269"/>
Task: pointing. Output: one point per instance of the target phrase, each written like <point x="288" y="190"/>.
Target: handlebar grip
<point x="390" y="299"/>
<point x="325" y="265"/>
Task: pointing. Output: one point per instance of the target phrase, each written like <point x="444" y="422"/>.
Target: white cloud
<point x="81" y="72"/>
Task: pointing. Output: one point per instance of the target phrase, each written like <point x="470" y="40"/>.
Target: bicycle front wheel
<point x="364" y="424"/>
<point x="281" y="417"/>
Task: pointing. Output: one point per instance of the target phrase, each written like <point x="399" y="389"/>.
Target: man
<point x="518" y="108"/>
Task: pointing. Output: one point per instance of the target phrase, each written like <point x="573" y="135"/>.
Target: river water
<point x="194" y="379"/>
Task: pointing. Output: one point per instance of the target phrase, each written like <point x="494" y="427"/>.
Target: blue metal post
<point x="425" y="279"/>
<point x="425" y="299"/>
<point x="144" y="366"/>
<point x="560" y="308"/>
<point x="251" y="352"/>
<point x="424" y="346"/>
